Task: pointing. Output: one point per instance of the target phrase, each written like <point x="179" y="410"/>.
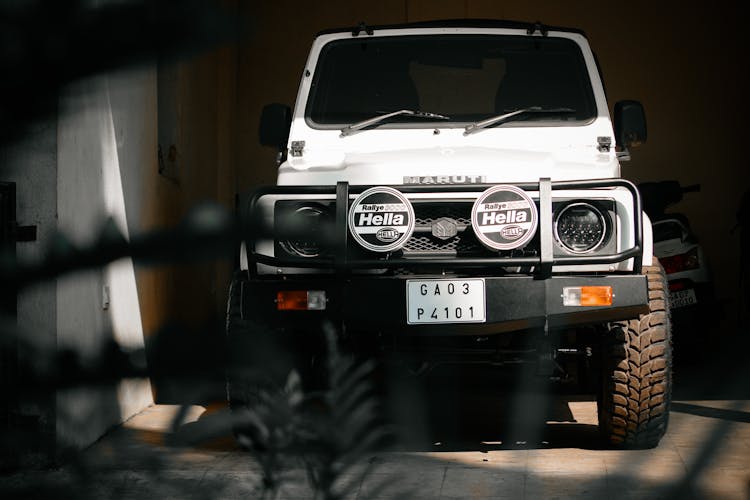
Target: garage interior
<point x="139" y="142"/>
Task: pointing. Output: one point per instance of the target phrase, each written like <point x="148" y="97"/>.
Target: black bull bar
<point x="341" y="261"/>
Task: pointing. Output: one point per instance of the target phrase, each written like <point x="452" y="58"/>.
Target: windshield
<point x="465" y="77"/>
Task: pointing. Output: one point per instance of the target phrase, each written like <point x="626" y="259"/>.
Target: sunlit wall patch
<point x="381" y="219"/>
<point x="504" y="217"/>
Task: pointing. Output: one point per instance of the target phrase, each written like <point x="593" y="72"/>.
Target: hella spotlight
<point x="381" y="219"/>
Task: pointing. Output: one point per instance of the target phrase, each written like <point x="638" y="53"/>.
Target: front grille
<point x="461" y="244"/>
<point x="427" y="213"/>
<point x="424" y="244"/>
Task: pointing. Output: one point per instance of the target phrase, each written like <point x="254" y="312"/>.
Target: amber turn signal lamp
<point x="587" y="296"/>
<point x="301" y="300"/>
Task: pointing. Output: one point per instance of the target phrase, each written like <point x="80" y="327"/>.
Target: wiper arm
<point x="476" y="127"/>
<point x="377" y="119"/>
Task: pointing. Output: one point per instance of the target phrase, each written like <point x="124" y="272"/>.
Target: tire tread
<point x="637" y="364"/>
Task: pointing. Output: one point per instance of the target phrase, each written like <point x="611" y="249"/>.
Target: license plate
<point x="445" y="301"/>
<point x="682" y="298"/>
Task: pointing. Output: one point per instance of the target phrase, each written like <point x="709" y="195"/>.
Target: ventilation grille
<point x="424" y="243"/>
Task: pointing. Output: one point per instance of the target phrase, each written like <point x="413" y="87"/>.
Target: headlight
<point x="300" y="230"/>
<point x="580" y="227"/>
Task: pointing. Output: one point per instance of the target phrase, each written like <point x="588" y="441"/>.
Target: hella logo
<point x="512" y="232"/>
<point x="492" y="218"/>
<point x="369" y="219"/>
<point x="387" y="235"/>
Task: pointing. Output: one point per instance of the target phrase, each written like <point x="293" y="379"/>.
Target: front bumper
<point x="375" y="305"/>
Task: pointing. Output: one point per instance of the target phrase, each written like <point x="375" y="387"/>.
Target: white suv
<point x="451" y="191"/>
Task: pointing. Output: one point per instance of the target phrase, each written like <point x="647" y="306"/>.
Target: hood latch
<point x="605" y="143"/>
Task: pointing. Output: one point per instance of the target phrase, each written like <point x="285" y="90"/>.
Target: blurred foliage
<point x="329" y="430"/>
<point x="44" y="46"/>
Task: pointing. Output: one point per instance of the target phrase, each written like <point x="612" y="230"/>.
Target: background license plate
<point x="682" y="298"/>
<point x="445" y="301"/>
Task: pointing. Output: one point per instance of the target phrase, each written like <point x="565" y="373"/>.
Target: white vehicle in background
<point x="679" y="252"/>
<point x="450" y="192"/>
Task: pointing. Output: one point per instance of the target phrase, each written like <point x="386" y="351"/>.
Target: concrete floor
<point x="454" y="448"/>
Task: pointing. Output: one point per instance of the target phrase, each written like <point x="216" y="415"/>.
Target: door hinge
<point x="605" y="143"/>
<point x="297" y="148"/>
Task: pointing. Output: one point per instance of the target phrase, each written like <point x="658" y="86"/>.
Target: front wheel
<point x="257" y="361"/>
<point x="260" y="356"/>
<point x="636" y="385"/>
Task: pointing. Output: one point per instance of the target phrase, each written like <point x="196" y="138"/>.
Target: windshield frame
<point x="591" y="91"/>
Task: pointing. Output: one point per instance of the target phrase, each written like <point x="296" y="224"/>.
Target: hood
<point x="446" y="165"/>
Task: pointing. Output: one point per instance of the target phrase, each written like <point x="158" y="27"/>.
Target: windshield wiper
<point x="355" y="127"/>
<point x="476" y="127"/>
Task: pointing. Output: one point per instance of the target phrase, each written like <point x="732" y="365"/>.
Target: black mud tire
<point x="636" y="384"/>
<point x="256" y="357"/>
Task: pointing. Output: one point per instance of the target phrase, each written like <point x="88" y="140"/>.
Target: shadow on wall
<point x="90" y="191"/>
<point x="77" y="147"/>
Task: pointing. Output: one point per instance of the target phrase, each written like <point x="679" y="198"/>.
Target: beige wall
<point x="197" y="116"/>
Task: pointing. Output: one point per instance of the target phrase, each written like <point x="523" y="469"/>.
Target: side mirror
<point x="275" y="121"/>
<point x="630" y="124"/>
